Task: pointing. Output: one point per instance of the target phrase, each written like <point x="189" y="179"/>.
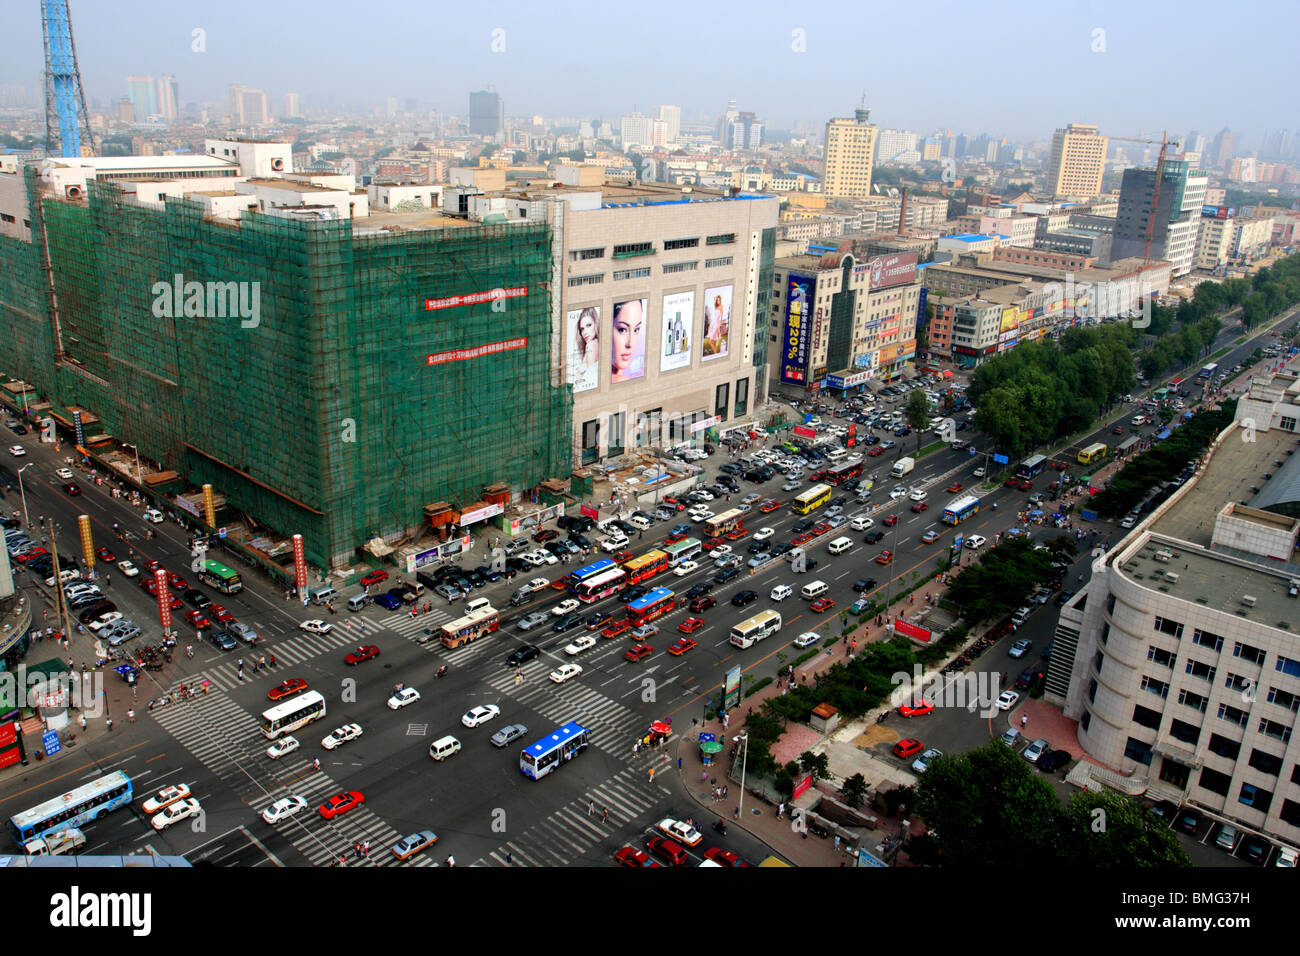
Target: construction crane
<point x="67" y="124"/>
<point x="1164" y="143"/>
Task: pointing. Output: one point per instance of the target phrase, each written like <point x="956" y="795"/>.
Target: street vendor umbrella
<point x="659" y="727"/>
<point x="1035" y="514"/>
<point x="711" y="747"/>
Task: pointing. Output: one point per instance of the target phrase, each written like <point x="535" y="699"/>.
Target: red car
<point x="176" y="582"/>
<point x="711" y="543"/>
<point x="890" y="520"/>
<point x="362" y="653"/>
<point x="197" y="619"/>
<point x="152" y="566"/>
<point x="286" y="688"/>
<point x="682" y="646"/>
<point x="668" y="849"/>
<point x="801" y="539"/>
<point x="220" y="613"/>
<point x="1117" y="430"/>
<point x="638" y="651"/>
<point x="908" y="747"/>
<point x="71" y="489"/>
<point x="671" y="500"/>
<point x="671" y="539"/>
<point x="631" y="856"/>
<point x="876" y="451"/>
<point x="737" y="534"/>
<point x="821" y="528"/>
<point x="617" y="628"/>
<point x="622" y="557"/>
<point x="771" y="504"/>
<point x="1010" y="482"/>
<point x="29" y="555"/>
<point x="919" y="507"/>
<point x="105" y="555"/>
<point x="690" y="625"/>
<point x="723" y="857"/>
<point x="559" y="584"/>
<point x="374" y="577"/>
<point x="546" y="534"/>
<point x="703" y="603"/>
<point x="341" y="803"/>
<point x="822" y="604"/>
<point x="955" y="487"/>
<point x="1024" y="484"/>
<point x="885" y="557"/>
<point x="917" y="708"/>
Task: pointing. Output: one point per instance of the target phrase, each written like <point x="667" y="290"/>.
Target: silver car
<point x="530" y="621"/>
<point x="242" y="631"/>
<point x="1036" y="750"/>
<point x="508" y="733"/>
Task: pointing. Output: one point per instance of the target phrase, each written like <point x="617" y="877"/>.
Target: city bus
<point x="961" y="509"/>
<point x="471" y="627"/>
<point x="599" y="566"/>
<point x="654" y="605"/>
<point x="645" y="566"/>
<point x="724" y="523"/>
<point x="752" y="630"/>
<point x="688" y="549"/>
<point x="559" y="746"/>
<point x="1093" y="452"/>
<point x="72" y="809"/>
<point x="838" y="474"/>
<point x="287" y="717"/>
<point x="1031" y="468"/>
<point x="1160" y="394"/>
<point x="1207" y="373"/>
<point x="603" y="585"/>
<point x="812" y="499"/>
<point x="216" y="575"/>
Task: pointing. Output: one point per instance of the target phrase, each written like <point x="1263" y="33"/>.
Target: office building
<point x="1174" y="222"/>
<point x="143" y="94"/>
<point x="744" y="131"/>
<point x="635" y="129"/>
<point x="891" y="143"/>
<point x="487" y="113"/>
<point x="169" y="98"/>
<point x="672" y="116"/>
<point x="1077" y="163"/>
<point x="248" y="107"/>
<point x="291" y="108"/>
<point x="850" y="155"/>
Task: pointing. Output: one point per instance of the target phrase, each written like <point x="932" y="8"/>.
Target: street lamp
<point x="22" y="494"/>
<point x="744" y="757"/>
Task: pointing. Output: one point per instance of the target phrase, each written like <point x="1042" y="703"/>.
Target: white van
<point x="478" y="604"/>
<point x="813" y="590"/>
<point x="358" y="601"/>
<point x="781" y="592"/>
<point x="444" y="747"/>
<point x="840" y="545"/>
<point x="153" y="516"/>
<point x="835" y="454"/>
<point x="324" y="595"/>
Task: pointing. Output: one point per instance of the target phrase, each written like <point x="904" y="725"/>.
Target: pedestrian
<point x="679" y="763"/>
<point x="316" y="763"/>
<point x="1024" y="719"/>
<point x="636" y="745"/>
<point x="365" y="848"/>
<point x="780" y="811"/>
<point x="272" y="660"/>
<point x="130" y="716"/>
<point x="591" y="807"/>
<point x="724" y="791"/>
<point x="109" y="723"/>
<point x="604" y="814"/>
<point x="652" y="774"/>
<point x="510" y="860"/>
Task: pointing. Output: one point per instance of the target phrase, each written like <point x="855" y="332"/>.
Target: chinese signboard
<point x="800" y="292"/>
<point x="896" y="269"/>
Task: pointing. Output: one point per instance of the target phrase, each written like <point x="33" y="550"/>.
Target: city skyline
<point x="1097" y="55"/>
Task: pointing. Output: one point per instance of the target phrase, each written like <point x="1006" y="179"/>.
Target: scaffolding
<point x="321" y="413"/>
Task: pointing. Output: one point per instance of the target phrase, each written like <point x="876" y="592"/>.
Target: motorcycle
<point x="720" y="827"/>
<point x="441" y="671"/>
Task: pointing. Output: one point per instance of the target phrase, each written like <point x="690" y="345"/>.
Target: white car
<point x="316" y="626"/>
<point x="1007" y="699"/>
<point x="721" y="551"/>
<point x="537" y="584"/>
<point x="544" y="557"/>
<point x="611" y="545"/>
<point x="65" y="474"/>
<point x="285" y="745"/>
<point x="404" y="697"/>
<point x="565" y="672"/>
<point x="706" y="495"/>
<point x="127" y="568"/>
<point x="175" y="813"/>
<point x="341" y="735"/>
<point x="919" y="494"/>
<point x="806" y="638"/>
<point x="978" y="472"/>
<point x="580" y="643"/>
<point x="153" y="516"/>
<point x="700" y="514"/>
<point x="567" y="606"/>
<point x="762" y="534"/>
<point x="861" y="523"/>
<point x="112" y="617"/>
<point x="974" y="541"/>
<point x="165" y="798"/>
<point x="66" y="575"/>
<point x="284" y="808"/>
<point x="685" y="568"/>
<point x="481" y="715"/>
<point x="922" y="763"/>
<point x="897" y="492"/>
<point x="17" y="451"/>
<point x="679" y="830"/>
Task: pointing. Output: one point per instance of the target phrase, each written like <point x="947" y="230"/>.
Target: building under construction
<point x="330" y="372"/>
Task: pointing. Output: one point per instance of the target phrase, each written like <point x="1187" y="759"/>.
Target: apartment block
<point x="1077" y="162"/>
<point x="850" y="155"/>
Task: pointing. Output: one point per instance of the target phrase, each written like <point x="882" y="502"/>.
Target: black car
<point x="851" y="484"/>
<point x="839" y="501"/>
<point x="730" y="469"/>
<point x="742" y="598"/>
<point x="222" y="641"/>
<point x="725" y="575"/>
<point x="731" y="484"/>
<point x="566" y="522"/>
<point x="864" y="584"/>
<point x="1053" y="760"/>
<point x="95" y="610"/>
<point x="517" y="564"/>
<point x="1189" y="821"/>
<point x="521" y="655"/>
<point x="631" y="594"/>
<point x="1164" y="809"/>
<point x="758" y="547"/>
<point x="805" y="525"/>
<point x="1255" y="849"/>
<point x="874" y="536"/>
<point x="565" y="623"/>
<point x="18" y="428"/>
<point x="556" y="548"/>
<point x="784" y="547"/>
<point x="581" y="540"/>
<point x="1062" y="598"/>
<point x="599" y="619"/>
<point x="197" y="599"/>
<point x="695" y="590"/>
<point x="755" y="477"/>
<point x="623" y="526"/>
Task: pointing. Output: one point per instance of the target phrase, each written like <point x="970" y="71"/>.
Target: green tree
<point x="854" y="791"/>
<point x="1108" y="830"/>
<point x="816" y="764"/>
<point x="917" y="414"/>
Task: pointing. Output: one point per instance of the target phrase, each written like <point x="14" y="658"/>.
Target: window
<point x="648" y="427"/>
<point x="742" y="396"/>
<point x="720" y="401"/>
<point x="1253" y="796"/>
<point x="631" y="274"/>
<point x="1237" y="682"/>
<point x="1265" y="762"/>
<point x="1139" y="751"/>
<point x="1146" y="717"/>
<point x="1200" y="669"/>
<point x="681" y="243"/>
<point x="1284" y="699"/>
<point x="579" y="255"/>
<point x="1288" y="424"/>
<point x="1273" y="729"/>
<point x="719" y="261"/>
<point x="680" y="267"/>
<point x="617" y="433"/>
<point x="1187" y="733"/>
<point x="1248" y="653"/>
<point x="629" y="249"/>
<point x="595" y="278"/>
<point x="1157" y="687"/>
<point x="1195" y="701"/>
<point x="1290" y="813"/>
<point x="590" y="440"/>
<point x="1166" y="626"/>
<point x="1159" y="655"/>
<point x="1288" y="666"/>
<point x="1215" y="782"/>
<point x="1223" y="747"/>
<point x="1206" y="639"/>
<point x="1092" y="692"/>
<point x="721" y="240"/>
<point x="1232" y="715"/>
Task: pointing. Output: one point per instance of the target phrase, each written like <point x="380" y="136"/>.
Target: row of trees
<point x="1274" y="290"/>
<point x="1004" y="577"/>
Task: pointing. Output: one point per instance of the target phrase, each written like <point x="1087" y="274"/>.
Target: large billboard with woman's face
<point x="679" y="314"/>
<point x="627" y="340"/>
<point x="582" y="338"/>
<point x="717" y="321"/>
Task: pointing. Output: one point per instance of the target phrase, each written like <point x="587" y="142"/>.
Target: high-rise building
<point x="636" y="129"/>
<point x="143" y="94"/>
<point x="1077" y="163"/>
<point x="248" y="106"/>
<point x="291" y="108"/>
<point x="487" y="116"/>
<point x="745" y="131"/>
<point x="1195" y="142"/>
<point x="891" y="142"/>
<point x="169" y="98"/>
<point x="1223" y="149"/>
<point x="1173" y="223"/>
<point x="672" y="115"/>
<point x="850" y="155"/>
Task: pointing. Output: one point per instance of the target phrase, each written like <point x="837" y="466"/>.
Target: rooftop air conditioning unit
<point x="1248" y="600"/>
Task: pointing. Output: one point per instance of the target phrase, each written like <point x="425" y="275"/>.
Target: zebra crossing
<point x="293" y="650"/>
<point x="228" y="741"/>
<point x="613" y="726"/>
<point x="570" y="834"/>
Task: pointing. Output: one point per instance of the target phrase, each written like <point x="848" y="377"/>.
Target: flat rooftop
<point x="382" y="220"/>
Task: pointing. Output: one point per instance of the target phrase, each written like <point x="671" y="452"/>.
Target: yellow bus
<point x="1094" y="452"/>
<point x="645" y="566"/>
<point x="812" y="499"/>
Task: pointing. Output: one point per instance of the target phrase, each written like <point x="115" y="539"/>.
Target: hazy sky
<point x="1012" y="68"/>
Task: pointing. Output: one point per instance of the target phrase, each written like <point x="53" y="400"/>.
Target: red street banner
<point x="911" y="630"/>
<point x="587" y="511"/>
<point x="474" y="298"/>
<point x="803" y="431"/>
<point x="460" y="355"/>
<point x="801" y="787"/>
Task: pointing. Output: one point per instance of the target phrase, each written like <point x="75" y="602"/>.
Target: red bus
<point x="645" y="566"/>
<point x="656" y="604"/>
<point x="838" y="474"/>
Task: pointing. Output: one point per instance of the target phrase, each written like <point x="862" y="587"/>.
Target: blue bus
<point x="1031" y="468"/>
<point x="597" y="567"/>
<point x="73" y="809"/>
<point x="655" y="604"/>
<point x="557" y="747"/>
<point x="961" y="509"/>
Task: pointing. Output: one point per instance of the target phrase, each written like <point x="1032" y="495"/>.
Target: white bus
<point x="688" y="549"/>
<point x="292" y="714"/>
<point x="752" y="630"/>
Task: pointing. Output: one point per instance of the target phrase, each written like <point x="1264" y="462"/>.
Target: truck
<point x="56" y="843"/>
<point x="903" y="466"/>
